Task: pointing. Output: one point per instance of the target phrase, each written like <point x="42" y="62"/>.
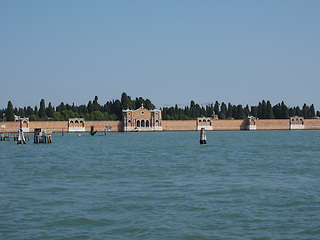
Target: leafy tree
<point x="34" y="117"/>
<point x="97" y="115"/>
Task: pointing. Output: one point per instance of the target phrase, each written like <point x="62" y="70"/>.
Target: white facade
<point x="76" y="125"/>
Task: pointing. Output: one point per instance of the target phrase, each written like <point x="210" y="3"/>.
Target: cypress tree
<point x="42" y="109"/>
<point x="10" y="112"/>
<point x="312" y="111"/>
<point x="254" y="111"/>
<point x="234" y="112"/>
<point x="246" y="111"/>
<point x="298" y="111"/>
<point x="125" y="101"/>
<point x="284" y="111"/>
<point x="229" y="113"/>
<point x="50" y="110"/>
<point x="269" y="112"/>
<point x="223" y="113"/>
<point x="277" y="111"/>
<point x="216" y="108"/>
<point x="240" y="113"/>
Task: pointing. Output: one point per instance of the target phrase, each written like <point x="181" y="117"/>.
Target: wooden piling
<point x="203" y="137"/>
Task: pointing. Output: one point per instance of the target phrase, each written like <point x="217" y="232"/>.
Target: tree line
<point x="264" y="110"/>
<point x="112" y="110"/>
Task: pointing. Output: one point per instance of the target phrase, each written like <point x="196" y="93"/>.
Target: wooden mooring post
<point x="21" y="139"/>
<point x="42" y="137"/>
<point x="203" y="137"/>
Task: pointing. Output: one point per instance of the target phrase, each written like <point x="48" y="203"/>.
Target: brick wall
<point x="167" y="125"/>
<point x="310" y="124"/>
<point x="228" y="125"/>
<point x="273" y="124"/>
<point x="179" y="125"/>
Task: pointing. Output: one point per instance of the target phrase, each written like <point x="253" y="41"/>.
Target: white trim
<point x="296" y="127"/>
<point x="25" y="129"/>
<point x="76" y="129"/>
<point x="207" y="128"/>
<point x="142" y="129"/>
<point x="251" y="127"/>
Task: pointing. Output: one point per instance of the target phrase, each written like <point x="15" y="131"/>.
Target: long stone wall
<point x="167" y="125"/>
<point x="273" y="124"/>
<point x="179" y="125"/>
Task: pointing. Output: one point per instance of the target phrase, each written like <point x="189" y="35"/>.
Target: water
<point x="240" y="185"/>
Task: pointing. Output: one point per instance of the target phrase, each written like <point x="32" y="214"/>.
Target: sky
<point x="170" y="52"/>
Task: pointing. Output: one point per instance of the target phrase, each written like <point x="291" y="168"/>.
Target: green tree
<point x="284" y="111"/>
<point x="216" y="108"/>
<point x="98" y="115"/>
<point x="269" y="111"/>
<point x="125" y="101"/>
<point x="312" y="111"/>
<point x="148" y="104"/>
<point x="10" y="112"/>
<point x="90" y="107"/>
<point x="29" y="111"/>
<point x="223" y="113"/>
<point x="50" y="110"/>
<point x="34" y="117"/>
<point x="254" y="111"/>
<point x="240" y="112"/>
<point x="42" y="109"/>
<point x="234" y="111"/>
<point x="246" y="111"/>
<point x="230" y="110"/>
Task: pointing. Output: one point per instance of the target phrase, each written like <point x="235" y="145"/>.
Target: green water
<point x="240" y="185"/>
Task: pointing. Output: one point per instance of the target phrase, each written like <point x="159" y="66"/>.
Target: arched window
<point x="199" y="120"/>
<point x="25" y="124"/>
<point x="81" y="123"/>
<point x="129" y="121"/>
<point x="76" y="123"/>
<point x="138" y="123"/>
<point x="142" y="123"/>
<point x="147" y="124"/>
<point x="204" y="120"/>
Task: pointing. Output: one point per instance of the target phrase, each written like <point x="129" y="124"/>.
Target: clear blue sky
<point x="168" y="51"/>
